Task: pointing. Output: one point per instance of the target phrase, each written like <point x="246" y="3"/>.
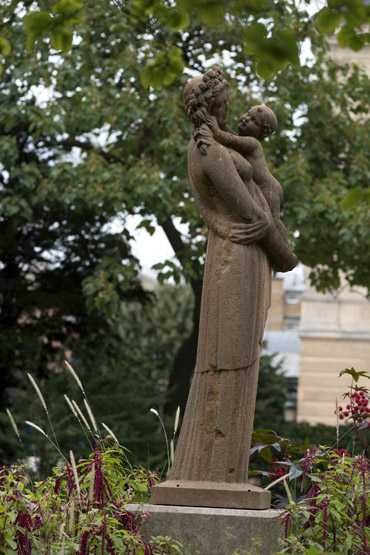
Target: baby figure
<point x="254" y="126"/>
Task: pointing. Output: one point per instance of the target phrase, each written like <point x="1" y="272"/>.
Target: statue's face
<point x="220" y="107"/>
<point x="250" y="124"/>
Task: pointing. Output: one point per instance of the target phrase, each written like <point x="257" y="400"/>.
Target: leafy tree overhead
<point x="273" y="48"/>
<point x="85" y="142"/>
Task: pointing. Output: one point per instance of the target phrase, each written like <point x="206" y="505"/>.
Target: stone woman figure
<point x="215" y="438"/>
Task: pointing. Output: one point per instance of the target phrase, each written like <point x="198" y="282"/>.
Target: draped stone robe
<point x="215" y="438"/>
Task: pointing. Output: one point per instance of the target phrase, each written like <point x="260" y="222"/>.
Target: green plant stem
<point x="354" y="427"/>
<point x="165" y="436"/>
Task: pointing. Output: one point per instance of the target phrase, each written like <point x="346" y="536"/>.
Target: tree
<point x="98" y="145"/>
<point x="273" y="48"/>
<point x="272" y="394"/>
<point x="125" y="374"/>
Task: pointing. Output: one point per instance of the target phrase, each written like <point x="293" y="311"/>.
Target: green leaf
<point x="353" y="198"/>
<point x="254" y="36"/>
<point x="4" y="47"/>
<point x="61" y="39"/>
<point x="313" y="551"/>
<point x="37" y="23"/>
<point x="354" y="374"/>
<point x="146" y="76"/>
<point x="266" y="453"/>
<point x="355" y="13"/>
<point x="176" y="65"/>
<point x="157" y="78"/>
<point x="286" y="45"/>
<point x="169" y="77"/>
<point x="66" y="7"/>
<point x="12" y="543"/>
<point x="178" y="19"/>
<point x="211" y="14"/>
<point x="348" y="38"/>
<point x="265" y="70"/>
<point x="327" y="20"/>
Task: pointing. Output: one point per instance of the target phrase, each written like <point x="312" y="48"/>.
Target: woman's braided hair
<point x="198" y="96"/>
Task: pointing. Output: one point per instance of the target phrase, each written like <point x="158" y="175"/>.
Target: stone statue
<point x="240" y="202"/>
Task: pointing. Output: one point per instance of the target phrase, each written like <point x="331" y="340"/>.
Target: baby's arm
<point x="243" y="145"/>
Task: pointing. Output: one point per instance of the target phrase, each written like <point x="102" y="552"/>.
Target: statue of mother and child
<point x="239" y="201"/>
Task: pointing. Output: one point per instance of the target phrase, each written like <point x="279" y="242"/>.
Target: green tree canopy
<point x="86" y="141"/>
<point x="273" y="47"/>
<point x="124" y="373"/>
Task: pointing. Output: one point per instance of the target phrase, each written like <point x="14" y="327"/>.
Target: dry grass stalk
<point x="74" y="468"/>
<point x="177" y="418"/>
<point x="172" y="451"/>
<point x="71" y="406"/>
<point x="110" y="432"/>
<point x="81" y="414"/>
<point x="39" y="394"/>
<point x="72" y="516"/>
<point x="92" y="481"/>
<point x="74" y="374"/>
<point x="14" y="425"/>
<point x="91" y="416"/>
<point x="62" y="536"/>
<point x="37" y="428"/>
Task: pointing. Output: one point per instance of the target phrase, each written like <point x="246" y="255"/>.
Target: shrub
<point x="81" y="508"/>
<point x="334" y="515"/>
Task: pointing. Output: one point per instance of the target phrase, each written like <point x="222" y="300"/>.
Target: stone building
<point x="334" y="334"/>
<point x="334" y="329"/>
<point x="316" y="336"/>
<point x="286" y="294"/>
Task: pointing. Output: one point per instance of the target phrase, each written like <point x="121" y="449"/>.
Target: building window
<point x="292" y="298"/>
<point x="290" y="326"/>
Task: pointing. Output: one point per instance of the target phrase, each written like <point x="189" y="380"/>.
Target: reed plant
<point x="83" y="506"/>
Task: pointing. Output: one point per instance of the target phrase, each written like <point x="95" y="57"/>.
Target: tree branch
<point x="175" y="239"/>
<point x="86" y="145"/>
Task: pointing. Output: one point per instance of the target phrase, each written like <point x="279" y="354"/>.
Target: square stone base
<point x="211" y="494"/>
<point x="210" y="531"/>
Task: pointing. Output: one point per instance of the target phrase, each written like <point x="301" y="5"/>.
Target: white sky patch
<point x="151" y="249"/>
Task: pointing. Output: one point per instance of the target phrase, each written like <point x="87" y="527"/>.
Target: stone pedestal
<point x="211" y="494"/>
<point x="210" y="531"/>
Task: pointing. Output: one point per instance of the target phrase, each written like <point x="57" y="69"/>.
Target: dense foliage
<point x="273" y="47"/>
<point x="327" y="486"/>
<point x="81" y="507"/>
<point x="333" y="517"/>
<point x="124" y="376"/>
<point x="85" y="143"/>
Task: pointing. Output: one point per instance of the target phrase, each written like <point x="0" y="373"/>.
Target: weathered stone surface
<point x="204" y="531"/>
<point x="245" y="239"/>
<point x="211" y="494"/>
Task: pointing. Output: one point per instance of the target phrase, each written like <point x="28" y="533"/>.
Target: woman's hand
<point x="212" y="123"/>
<point x="245" y="233"/>
<point x="259" y="215"/>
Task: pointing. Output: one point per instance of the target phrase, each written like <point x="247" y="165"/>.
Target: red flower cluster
<point x="276" y="471"/>
<point x="341" y="452"/>
<point x="358" y="408"/>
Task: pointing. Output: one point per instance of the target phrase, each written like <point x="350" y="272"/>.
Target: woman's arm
<point x="278" y="250"/>
<point x="237" y="232"/>
<point x="219" y="168"/>
<point x="243" y="145"/>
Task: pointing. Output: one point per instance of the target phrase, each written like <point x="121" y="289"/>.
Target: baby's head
<point x="258" y="122"/>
